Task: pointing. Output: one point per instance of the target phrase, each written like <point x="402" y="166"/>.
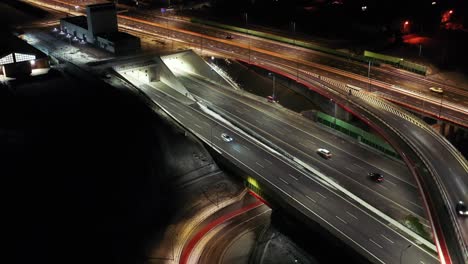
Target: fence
<point x="357" y="133"/>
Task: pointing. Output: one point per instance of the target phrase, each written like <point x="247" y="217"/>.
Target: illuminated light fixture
<point x="19" y="57"/>
<point x="406" y="22"/>
<point x="33" y="62"/>
<point x="364" y="8"/>
<point x="433" y="3"/>
<point x="253" y="182"/>
<point x="7" y="59"/>
<point x="451" y="12"/>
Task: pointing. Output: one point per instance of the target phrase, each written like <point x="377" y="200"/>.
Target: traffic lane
<point x="231" y="49"/>
<point x="445" y="164"/>
<point x="377" y="237"/>
<point x="448" y="236"/>
<point x="233" y="230"/>
<point x="300" y="136"/>
<point x="388" y="197"/>
<point x="276" y="177"/>
<point x="383" y="238"/>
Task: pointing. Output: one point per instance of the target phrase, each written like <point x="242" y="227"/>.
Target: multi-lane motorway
<point x="445" y="178"/>
<point x="378" y="241"/>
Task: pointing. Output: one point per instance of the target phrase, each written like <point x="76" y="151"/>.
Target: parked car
<point x="324" y="153"/>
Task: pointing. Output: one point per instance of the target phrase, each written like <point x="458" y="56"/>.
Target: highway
<point x="231" y="242"/>
<point x="411" y="90"/>
<point x="443" y="186"/>
<point x="379" y="241"/>
<point x="397" y="196"/>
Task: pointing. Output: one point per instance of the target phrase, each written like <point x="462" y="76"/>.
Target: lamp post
<point x="293" y="23"/>
<point x="247" y="27"/>
<point x="440" y="107"/>
<point x="401" y="254"/>
<point x="368" y="75"/>
<point x="274" y="85"/>
<point x="334" y="112"/>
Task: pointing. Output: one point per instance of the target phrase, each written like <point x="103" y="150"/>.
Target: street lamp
<point x="293" y="23"/>
<point x="368" y="75"/>
<point x="334" y="112"/>
<point x="247" y="27"/>
<point x="274" y="78"/>
<point x="440" y="107"/>
<point x="401" y="254"/>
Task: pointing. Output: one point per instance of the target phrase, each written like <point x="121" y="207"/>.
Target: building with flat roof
<point x="18" y="58"/>
<point x="102" y="18"/>
<point x="99" y="27"/>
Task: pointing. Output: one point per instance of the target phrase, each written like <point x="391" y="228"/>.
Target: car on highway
<point x="461" y="209"/>
<point x="375" y="176"/>
<point x="228" y="36"/>
<point x="226" y="137"/>
<point x="436" y="90"/>
<point x="324" y="153"/>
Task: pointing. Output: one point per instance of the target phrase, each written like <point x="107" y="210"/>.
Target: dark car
<point x="375" y="176"/>
<point x="229" y="36"/>
<point x="461" y="209"/>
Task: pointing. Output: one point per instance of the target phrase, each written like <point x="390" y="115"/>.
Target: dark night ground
<point x="81" y="173"/>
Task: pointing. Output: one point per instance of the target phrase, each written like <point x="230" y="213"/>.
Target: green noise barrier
<point x="396" y="62"/>
<point x="357" y="133"/>
<point x="283" y="40"/>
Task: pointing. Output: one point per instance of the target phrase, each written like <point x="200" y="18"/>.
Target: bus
<point x="353" y="87"/>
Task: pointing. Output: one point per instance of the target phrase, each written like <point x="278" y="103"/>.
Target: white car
<point x="324" y="153"/>
<point x="226" y="137"/>
<point x="436" y="90"/>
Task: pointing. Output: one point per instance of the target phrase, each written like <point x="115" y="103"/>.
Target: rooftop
<point x="115" y="36"/>
<point x="80" y="21"/>
<point x="12" y="44"/>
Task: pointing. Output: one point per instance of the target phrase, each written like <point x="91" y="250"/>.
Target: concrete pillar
<point x="451" y="131"/>
<point x="442" y="128"/>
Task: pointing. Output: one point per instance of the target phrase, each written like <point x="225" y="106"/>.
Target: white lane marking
<point x="237" y="150"/>
<point x="171" y="103"/>
<point x="283" y="180"/>
<point x="198" y="126"/>
<point x="394" y="184"/>
<point x="293" y="177"/>
<point x="246" y="147"/>
<point x="308" y="197"/>
<point x="421" y="262"/>
<point x="351" y="215"/>
<point x="386" y="238"/>
<point x="259" y="164"/>
<point x="268" y="161"/>
<point x="311" y="142"/>
<point x="349" y="169"/>
<point x="375" y="243"/>
<point x="341" y="219"/>
<point x="217" y="138"/>
<point x="358" y="165"/>
<point x="188" y="112"/>
<point x="383" y="186"/>
<point x="415" y="204"/>
<point x="321" y="195"/>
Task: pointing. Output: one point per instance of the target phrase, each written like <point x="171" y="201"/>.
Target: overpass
<point x="373" y="111"/>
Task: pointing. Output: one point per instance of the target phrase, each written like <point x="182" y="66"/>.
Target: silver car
<point x="226" y="137"/>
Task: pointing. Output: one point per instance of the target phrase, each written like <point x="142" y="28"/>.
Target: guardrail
<point x="382" y="104"/>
